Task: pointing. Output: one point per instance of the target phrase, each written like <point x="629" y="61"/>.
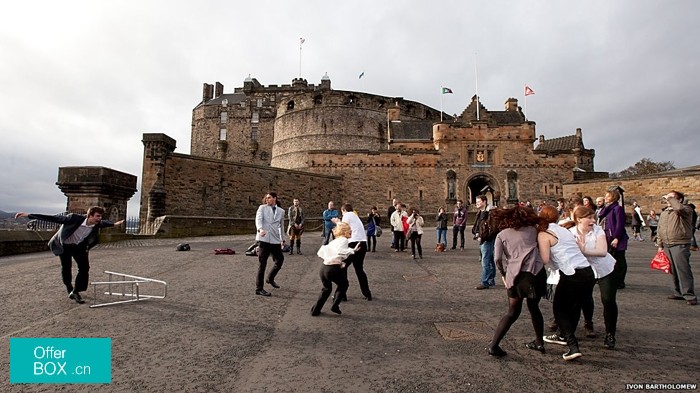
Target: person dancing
<point x="517" y="257"/>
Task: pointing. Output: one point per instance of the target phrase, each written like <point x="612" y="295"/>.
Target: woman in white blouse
<point x="333" y="269"/>
<point x="559" y="250"/>
<point x="591" y="240"/>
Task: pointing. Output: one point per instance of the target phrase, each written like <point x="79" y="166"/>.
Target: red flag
<point x="528" y="91"/>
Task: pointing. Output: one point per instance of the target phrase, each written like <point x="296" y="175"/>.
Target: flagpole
<point x="301" y="41"/>
<point x="441" y="94"/>
<point x="476" y="83"/>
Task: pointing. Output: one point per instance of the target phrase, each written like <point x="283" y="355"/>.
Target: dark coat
<point x="69" y="224"/>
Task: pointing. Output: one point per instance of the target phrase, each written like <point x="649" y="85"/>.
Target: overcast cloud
<point x="81" y="81"/>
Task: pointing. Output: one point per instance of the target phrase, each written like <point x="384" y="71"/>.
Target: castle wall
<point x="420" y="178"/>
<point x="646" y="190"/>
<point x="186" y="185"/>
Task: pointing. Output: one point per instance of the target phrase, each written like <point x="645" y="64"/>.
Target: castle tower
<point x="156" y="148"/>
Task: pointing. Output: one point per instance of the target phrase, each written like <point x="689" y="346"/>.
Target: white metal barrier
<point x="126" y="281"/>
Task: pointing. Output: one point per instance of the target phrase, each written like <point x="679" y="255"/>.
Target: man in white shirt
<point x="358" y="237"/>
<point x="268" y="222"/>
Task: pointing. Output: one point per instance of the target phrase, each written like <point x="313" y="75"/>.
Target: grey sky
<point x="81" y="81"/>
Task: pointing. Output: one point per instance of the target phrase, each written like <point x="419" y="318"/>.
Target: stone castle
<point x="318" y="144"/>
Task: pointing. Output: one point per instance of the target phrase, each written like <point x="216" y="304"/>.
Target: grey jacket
<point x="675" y="226"/>
<point x="272" y="224"/>
<point x="69" y="224"/>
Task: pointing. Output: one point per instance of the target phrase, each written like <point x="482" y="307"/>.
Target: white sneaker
<point x="571" y="355"/>
<point x="554" y="339"/>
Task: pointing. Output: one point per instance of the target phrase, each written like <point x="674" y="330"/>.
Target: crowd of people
<point x="559" y="252"/>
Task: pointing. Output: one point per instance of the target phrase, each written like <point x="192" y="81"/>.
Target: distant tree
<point x="645" y="166"/>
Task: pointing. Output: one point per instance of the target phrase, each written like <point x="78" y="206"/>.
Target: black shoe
<point x="480" y="287"/>
<point x="674" y="297"/>
<point x="273" y="283"/>
<point x="336" y="310"/>
<point x="314" y="313"/>
<point x="497" y="352"/>
<point x="573" y="353"/>
<point x="298" y="251"/>
<point x="609" y="342"/>
<point x="588" y="328"/>
<point x="262" y="292"/>
<point x="291" y="251"/>
<point x="76" y="296"/>
<point x="368" y="298"/>
<point x="533" y="345"/>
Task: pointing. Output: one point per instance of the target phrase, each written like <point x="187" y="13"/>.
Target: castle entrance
<point x="480" y="184"/>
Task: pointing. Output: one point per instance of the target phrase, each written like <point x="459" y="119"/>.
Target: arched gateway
<point x="482" y="184"/>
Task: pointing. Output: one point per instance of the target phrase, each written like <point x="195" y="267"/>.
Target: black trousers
<point x="399" y="240"/>
<point x="571" y="294"/>
<point x="265" y="250"/>
<point x="80" y="254"/>
<point x="415" y="241"/>
<point x="358" y="262"/>
<point x="457" y="230"/>
<point x="331" y="274"/>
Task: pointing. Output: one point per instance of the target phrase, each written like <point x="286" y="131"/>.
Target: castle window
<point x="260" y="102"/>
<point x="318" y="100"/>
<point x="222" y="134"/>
<point x="290" y="105"/>
<point x="243" y="104"/>
<point x="254" y="133"/>
<point x="224" y="117"/>
<point x="256" y="117"/>
<point x="264" y="156"/>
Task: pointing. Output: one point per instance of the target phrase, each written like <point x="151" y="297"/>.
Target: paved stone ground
<point x="425" y="331"/>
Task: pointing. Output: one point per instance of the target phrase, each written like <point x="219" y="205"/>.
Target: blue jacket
<point x="327" y="216"/>
<point x="69" y="224"/>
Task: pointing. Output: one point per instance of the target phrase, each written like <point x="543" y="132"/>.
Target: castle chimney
<point x="207" y="92"/>
<point x="511" y="105"/>
<point x="219" y="90"/>
<point x="541" y="139"/>
<point x="325" y="82"/>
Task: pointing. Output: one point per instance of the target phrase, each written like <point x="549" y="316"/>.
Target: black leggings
<point x="515" y="305"/>
<point x="608" y="296"/>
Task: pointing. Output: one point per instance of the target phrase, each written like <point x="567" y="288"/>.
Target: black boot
<point x="299" y="247"/>
<point x="291" y="249"/>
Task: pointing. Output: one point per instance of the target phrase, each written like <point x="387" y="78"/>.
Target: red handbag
<point x="661" y="262"/>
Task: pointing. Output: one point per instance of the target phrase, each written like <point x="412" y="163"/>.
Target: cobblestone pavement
<point x="426" y="329"/>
